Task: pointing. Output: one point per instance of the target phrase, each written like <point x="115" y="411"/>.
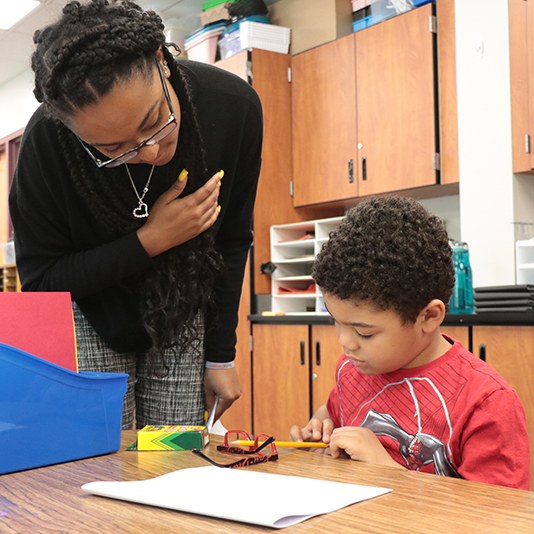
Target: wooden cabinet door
<point x="521" y="19"/>
<point x="510" y="351"/>
<point x="396" y="105"/>
<point x="325" y="353"/>
<point x="280" y="378"/>
<point x="324" y="123"/>
<point x="519" y="83"/>
<point x="460" y="333"/>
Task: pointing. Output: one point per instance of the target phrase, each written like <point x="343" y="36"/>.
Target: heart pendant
<point x="141" y="211"/>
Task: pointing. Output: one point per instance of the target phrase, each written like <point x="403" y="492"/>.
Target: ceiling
<point x="16" y="44"/>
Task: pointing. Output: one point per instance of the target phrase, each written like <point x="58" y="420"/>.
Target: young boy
<point x="405" y="395"/>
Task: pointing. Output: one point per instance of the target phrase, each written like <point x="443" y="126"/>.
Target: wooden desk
<point x="50" y="500"/>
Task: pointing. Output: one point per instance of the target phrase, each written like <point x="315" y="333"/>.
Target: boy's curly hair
<point x="389" y="251"/>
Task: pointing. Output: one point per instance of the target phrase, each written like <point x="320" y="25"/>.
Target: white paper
<point x="209" y="424"/>
<point x="271" y="500"/>
<point x="218" y="429"/>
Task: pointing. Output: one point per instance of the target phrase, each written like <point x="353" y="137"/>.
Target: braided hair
<point x="82" y="57"/>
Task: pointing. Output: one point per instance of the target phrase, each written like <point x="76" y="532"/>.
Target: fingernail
<point x="183" y="175"/>
<point x="219" y="183"/>
<point x="221" y="174"/>
<point x="219" y="208"/>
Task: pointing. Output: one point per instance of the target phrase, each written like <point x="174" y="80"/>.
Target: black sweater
<point x="61" y="246"/>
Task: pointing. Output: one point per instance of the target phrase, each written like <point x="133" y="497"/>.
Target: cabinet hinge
<point x="436" y="161"/>
<point x="291" y="188"/>
<point x="289" y="74"/>
<point x="251" y="344"/>
<point x="432" y="24"/>
<point x="527" y="143"/>
<point x="249" y="70"/>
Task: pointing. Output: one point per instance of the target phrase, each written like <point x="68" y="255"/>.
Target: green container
<point x="214" y="3"/>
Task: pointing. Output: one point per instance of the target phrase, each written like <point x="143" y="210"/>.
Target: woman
<point x="119" y="197"/>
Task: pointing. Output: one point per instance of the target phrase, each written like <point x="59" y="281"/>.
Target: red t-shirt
<point x="454" y="416"/>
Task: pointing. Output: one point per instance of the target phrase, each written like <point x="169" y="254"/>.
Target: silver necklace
<point x="140" y="211"/>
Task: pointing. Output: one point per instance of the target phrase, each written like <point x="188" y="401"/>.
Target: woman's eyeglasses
<point x="155" y="138"/>
<point x="260" y="443"/>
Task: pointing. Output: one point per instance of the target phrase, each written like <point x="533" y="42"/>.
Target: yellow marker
<point x="272" y="314"/>
<point x="299" y="444"/>
<point x="183" y="175"/>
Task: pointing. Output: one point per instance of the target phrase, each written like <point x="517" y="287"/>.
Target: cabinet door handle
<point x="364" y="168"/>
<point x="482" y="352"/>
<point x="302" y="353"/>
<point x="318" y="352"/>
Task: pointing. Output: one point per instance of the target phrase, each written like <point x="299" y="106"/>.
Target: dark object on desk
<point x="258" y="458"/>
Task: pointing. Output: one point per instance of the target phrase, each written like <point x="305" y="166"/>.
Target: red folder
<point x="41" y="324"/>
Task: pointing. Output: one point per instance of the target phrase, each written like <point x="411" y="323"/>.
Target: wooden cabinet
<point x="324" y="123"/>
<point x="281" y="378"/>
<point x="365" y="112"/>
<point x="521" y="21"/>
<point x="325" y="353"/>
<point x="396" y="104"/>
<point x="510" y="351"/>
<point x="460" y="333"/>
<point x="294" y="371"/>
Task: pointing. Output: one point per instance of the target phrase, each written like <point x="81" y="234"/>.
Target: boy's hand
<point x="319" y="428"/>
<point x="360" y="444"/>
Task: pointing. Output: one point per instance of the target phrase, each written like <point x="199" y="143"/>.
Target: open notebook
<point x="265" y="499"/>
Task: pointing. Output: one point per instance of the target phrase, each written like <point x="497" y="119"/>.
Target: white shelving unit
<point x="293" y="250"/>
<point x="524" y="261"/>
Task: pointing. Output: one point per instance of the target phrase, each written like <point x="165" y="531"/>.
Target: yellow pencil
<point x="283" y="443"/>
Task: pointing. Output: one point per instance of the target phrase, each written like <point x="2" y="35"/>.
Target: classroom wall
<point x="487" y="183"/>
<point x="17" y="103"/>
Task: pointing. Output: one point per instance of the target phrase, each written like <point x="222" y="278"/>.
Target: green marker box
<point x="172" y="438"/>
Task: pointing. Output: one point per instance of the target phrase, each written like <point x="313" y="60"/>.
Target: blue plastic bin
<point x="50" y="415"/>
<point x="370" y="20"/>
<point x="361" y="24"/>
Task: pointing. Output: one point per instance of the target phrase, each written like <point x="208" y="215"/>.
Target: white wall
<point x="484" y="131"/>
<point x="448" y="210"/>
<point x="17" y="103"/>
